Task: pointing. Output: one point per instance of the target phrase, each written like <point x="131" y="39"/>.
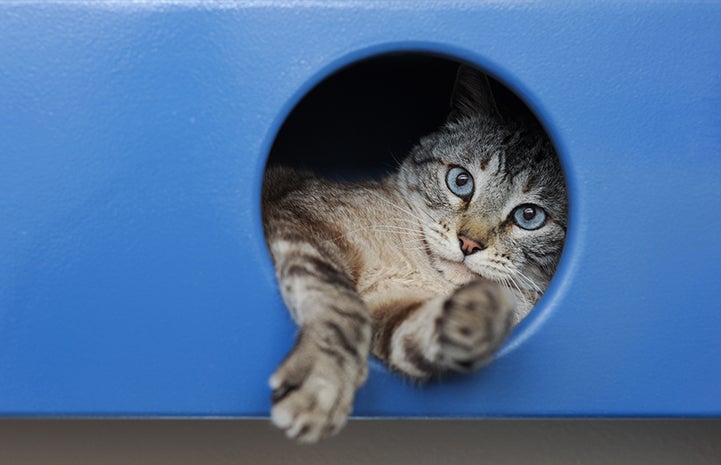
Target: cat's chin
<point x="456" y="272"/>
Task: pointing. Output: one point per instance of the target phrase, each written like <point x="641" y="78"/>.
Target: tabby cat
<point x="428" y="268"/>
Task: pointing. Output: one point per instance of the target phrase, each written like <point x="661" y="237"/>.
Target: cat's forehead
<point x="505" y="151"/>
<point x="471" y="143"/>
<point x="495" y="192"/>
<point x="506" y="163"/>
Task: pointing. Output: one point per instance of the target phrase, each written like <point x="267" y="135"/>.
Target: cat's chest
<point x="392" y="262"/>
<point x="395" y="267"/>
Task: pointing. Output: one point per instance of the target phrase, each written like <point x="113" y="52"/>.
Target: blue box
<point x="134" y="279"/>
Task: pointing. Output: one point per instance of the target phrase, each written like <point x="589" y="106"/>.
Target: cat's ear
<point x="472" y="95"/>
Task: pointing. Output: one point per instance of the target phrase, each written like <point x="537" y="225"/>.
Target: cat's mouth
<point x="456" y="272"/>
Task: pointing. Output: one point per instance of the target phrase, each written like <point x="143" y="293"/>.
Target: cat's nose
<point x="469" y="246"/>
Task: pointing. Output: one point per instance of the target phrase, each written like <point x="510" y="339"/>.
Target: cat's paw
<point x="474" y="322"/>
<point x="313" y="391"/>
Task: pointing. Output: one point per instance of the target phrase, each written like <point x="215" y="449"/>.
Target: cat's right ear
<point x="472" y="95"/>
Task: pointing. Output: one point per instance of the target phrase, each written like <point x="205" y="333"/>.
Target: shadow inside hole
<point x="364" y="119"/>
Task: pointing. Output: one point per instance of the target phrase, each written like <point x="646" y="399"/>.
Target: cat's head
<point x="491" y="194"/>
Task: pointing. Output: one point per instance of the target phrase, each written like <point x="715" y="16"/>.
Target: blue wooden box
<point x="134" y="278"/>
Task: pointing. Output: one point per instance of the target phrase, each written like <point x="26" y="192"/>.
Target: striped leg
<point x="313" y="389"/>
<point x="458" y="333"/>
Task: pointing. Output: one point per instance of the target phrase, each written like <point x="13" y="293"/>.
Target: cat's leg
<point x="314" y="387"/>
<point x="456" y="333"/>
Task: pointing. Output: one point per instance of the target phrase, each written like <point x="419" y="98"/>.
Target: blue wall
<point x="134" y="278"/>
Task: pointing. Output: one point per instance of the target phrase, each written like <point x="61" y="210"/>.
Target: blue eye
<point x="529" y="216"/>
<point x="460" y="182"/>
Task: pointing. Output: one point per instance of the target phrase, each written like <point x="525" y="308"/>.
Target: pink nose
<point x="469" y="246"/>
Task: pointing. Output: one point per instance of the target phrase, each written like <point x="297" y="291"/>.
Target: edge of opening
<point x="546" y="307"/>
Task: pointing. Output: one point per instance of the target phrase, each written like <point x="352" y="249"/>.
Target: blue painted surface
<point x="133" y="274"/>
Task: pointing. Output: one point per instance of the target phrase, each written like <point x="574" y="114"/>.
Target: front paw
<point x="475" y="320"/>
<point x="313" y="390"/>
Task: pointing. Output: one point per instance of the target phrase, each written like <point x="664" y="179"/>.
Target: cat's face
<point x="492" y="202"/>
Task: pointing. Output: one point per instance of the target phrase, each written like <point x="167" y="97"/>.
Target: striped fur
<point x="376" y="267"/>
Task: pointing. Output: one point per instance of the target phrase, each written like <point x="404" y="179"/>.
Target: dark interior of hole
<point x="365" y="118"/>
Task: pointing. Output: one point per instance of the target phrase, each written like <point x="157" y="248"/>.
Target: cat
<point x="428" y="268"/>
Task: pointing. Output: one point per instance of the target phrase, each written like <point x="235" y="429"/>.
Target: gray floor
<point x="497" y="442"/>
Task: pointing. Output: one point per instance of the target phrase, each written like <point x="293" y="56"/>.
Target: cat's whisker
<point x="390" y="229"/>
<point x="533" y="284"/>
<point x="410" y="222"/>
<point x="441" y="234"/>
<point x="506" y="279"/>
<point x="511" y="270"/>
<point x="512" y="285"/>
<point x="403" y="228"/>
<point x="396" y="206"/>
<point x="397" y="230"/>
<point x="506" y="283"/>
<point x="515" y="284"/>
<point x="404" y="210"/>
<point x="398" y="161"/>
<point x="520" y="281"/>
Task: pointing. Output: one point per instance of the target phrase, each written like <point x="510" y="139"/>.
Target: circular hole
<point x="364" y="120"/>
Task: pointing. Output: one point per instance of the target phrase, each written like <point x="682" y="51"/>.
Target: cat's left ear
<point x="472" y="95"/>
